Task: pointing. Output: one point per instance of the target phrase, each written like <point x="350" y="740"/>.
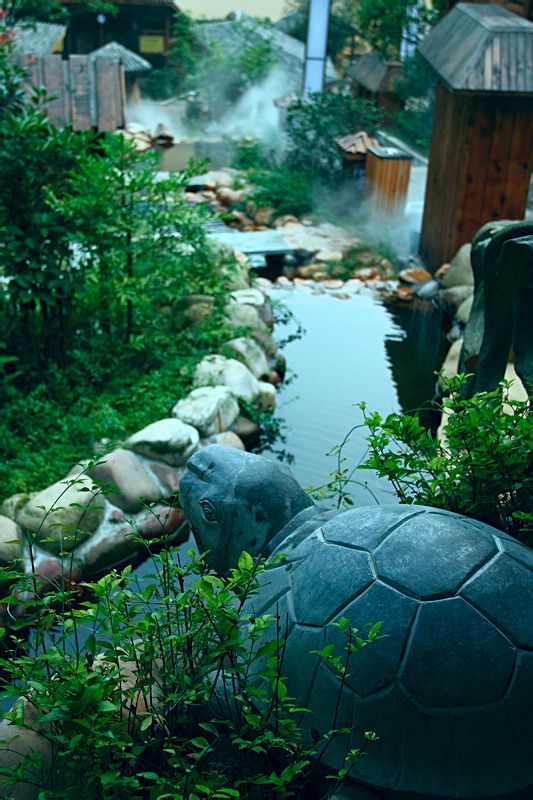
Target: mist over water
<point x="150" y="113"/>
<point x="255" y="113"/>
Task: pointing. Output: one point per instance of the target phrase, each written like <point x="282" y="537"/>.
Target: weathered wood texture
<point x="386" y="181"/>
<point x="85" y="93"/>
<point x="479" y="168"/>
<point x="523" y="8"/>
<point x="482" y="48"/>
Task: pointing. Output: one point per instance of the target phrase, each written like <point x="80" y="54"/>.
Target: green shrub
<point x="122" y="688"/>
<point x="312" y="128"/>
<point x="93" y="250"/>
<point x="248" y="154"/>
<point x="287" y="190"/>
<point x="483" y="467"/>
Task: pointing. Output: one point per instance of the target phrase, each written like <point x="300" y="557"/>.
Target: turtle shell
<point x="449" y="689"/>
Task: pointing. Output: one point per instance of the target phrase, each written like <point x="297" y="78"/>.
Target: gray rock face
<point x="123" y="470"/>
<point x="64" y="514"/>
<point x="449" y="688"/>
<point x="216" y="370"/>
<point x="10" y="541"/>
<point x="249" y="352"/>
<point x="209" y="409"/>
<point x="169" y="440"/>
<point x="460" y="272"/>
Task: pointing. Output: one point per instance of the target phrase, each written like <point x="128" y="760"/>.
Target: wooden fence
<point x="85" y="92"/>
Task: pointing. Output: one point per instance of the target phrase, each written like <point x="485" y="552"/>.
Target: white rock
<point x="252" y="297"/>
<point x="267" y="396"/>
<point x="251" y="355"/>
<point x="210" y="409"/>
<point x="218" y="178"/>
<point x="216" y="370"/>
<point x="169" y="440"/>
<point x="460" y="271"/>
<point x="64" y="514"/>
<point x="463" y="312"/>
<point x="227" y="439"/>
<point x="10" y="540"/>
<point x="240" y="315"/>
<point x="325" y="256"/>
<point x="263" y="284"/>
<point x="12" y="505"/>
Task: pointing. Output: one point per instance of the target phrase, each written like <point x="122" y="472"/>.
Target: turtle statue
<point x="449" y="688"/>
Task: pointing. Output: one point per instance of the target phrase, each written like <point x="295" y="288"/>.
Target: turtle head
<point x="237" y="501"/>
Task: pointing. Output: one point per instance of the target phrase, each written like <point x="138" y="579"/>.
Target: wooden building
<point x="482" y="140"/>
<point x="143" y="26"/>
<point x="373" y="78"/>
<point x="87" y="92"/>
<point x="524" y="8"/>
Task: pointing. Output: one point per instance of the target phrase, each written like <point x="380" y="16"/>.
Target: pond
<point x="355" y="349"/>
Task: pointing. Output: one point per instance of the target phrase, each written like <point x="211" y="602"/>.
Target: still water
<point x="353" y="350"/>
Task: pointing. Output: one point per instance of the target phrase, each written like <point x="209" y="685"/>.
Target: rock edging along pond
<point x="106" y="511"/>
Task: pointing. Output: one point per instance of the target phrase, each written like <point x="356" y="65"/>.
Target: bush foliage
<point x="312" y="128"/>
<point x="481" y="465"/>
<point x="165" y="687"/>
<point x="93" y="251"/>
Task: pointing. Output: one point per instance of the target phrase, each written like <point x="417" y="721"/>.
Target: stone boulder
<point x="250" y="354"/>
<point x="10" y="541"/>
<point x="226" y="439"/>
<point x="246" y="429"/>
<point x="451" y="299"/>
<point x="64" y="514"/>
<point x="414" y="275"/>
<point x="463" y="312"/>
<point x="209" y="409"/>
<point x="216" y="370"/>
<point x="250" y="296"/>
<point x="241" y="315"/>
<point x="12" y="505"/>
<point x="132" y="485"/>
<point x="460" y="271"/>
<point x="267" y="396"/>
<point x="169" y="440"/>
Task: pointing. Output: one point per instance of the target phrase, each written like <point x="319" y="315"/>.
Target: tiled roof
<point x="482" y="48"/>
<point x="131" y="61"/>
<point x="234" y="36"/>
<point x="39" y="39"/>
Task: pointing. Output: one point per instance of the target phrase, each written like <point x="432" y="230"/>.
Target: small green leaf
<point x="246" y="562"/>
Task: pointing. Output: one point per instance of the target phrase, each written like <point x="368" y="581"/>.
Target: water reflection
<point x="353" y="350"/>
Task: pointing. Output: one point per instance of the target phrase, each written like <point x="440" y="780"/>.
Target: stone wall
<point x="109" y="509"/>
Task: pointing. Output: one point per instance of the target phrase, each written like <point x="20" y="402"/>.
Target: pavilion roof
<point x="482" y="48"/>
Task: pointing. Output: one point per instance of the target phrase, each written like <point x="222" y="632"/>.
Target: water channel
<point x="356" y="349"/>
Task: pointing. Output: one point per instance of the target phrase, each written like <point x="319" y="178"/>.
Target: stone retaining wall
<point x="108" y="510"/>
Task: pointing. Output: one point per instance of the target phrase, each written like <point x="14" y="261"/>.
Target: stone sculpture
<point x="449" y="689"/>
<point x="501" y="318"/>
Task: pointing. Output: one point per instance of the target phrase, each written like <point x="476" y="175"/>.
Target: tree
<point x="342" y="22"/>
<point x="312" y="128"/>
<point x="16" y="11"/>
<point x="384" y="23"/>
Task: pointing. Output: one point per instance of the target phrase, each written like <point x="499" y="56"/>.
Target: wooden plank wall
<point x="84" y="93"/>
<point x="479" y="169"/>
<point x="386" y="183"/>
<point x="446" y="176"/>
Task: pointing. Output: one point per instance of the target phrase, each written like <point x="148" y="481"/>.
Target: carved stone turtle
<point x="449" y="690"/>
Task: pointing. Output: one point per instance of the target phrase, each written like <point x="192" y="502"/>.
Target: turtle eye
<point x="207" y="510"/>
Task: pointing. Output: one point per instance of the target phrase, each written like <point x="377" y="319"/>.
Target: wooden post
<point x="387" y="179"/>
